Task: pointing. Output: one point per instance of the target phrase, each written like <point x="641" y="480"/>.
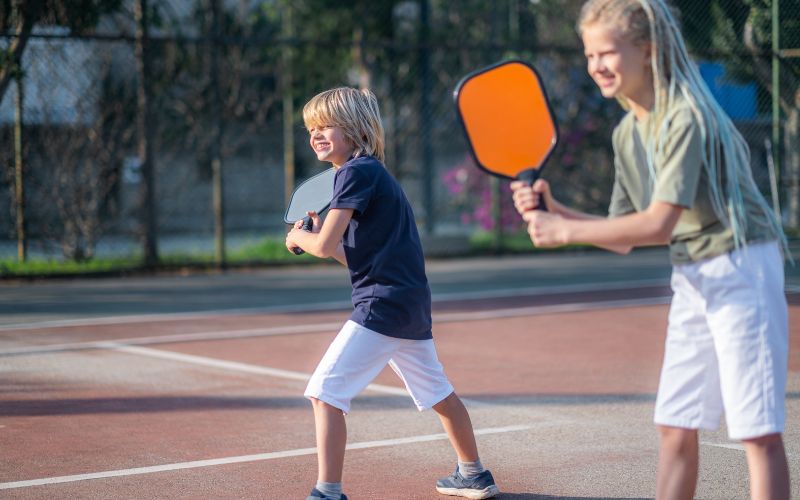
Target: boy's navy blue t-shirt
<point x="384" y="254"/>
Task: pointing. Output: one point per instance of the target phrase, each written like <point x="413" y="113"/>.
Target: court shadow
<point x="534" y="496"/>
<point x="154" y="404"/>
<point x="577" y="399"/>
<point x="151" y="404"/>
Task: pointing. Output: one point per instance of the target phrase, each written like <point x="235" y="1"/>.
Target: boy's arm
<point x="339" y="255"/>
<point x="327" y="242"/>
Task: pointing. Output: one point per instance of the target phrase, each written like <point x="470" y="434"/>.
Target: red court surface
<point x="561" y="397"/>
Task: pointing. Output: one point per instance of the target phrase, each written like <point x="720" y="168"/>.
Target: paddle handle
<point x="530" y="176"/>
<point x="307" y="224"/>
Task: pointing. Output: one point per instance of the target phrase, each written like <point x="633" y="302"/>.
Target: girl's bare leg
<point x="769" y="472"/>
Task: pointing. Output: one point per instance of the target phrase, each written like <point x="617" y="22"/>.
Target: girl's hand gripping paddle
<point x="509" y="124"/>
<point x="312" y="195"/>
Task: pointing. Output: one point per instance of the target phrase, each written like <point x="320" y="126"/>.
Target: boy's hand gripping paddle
<point x="312" y="195"/>
<point x="510" y="127"/>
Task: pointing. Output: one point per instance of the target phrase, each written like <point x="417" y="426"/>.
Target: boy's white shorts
<point x="727" y="345"/>
<point x="357" y="355"/>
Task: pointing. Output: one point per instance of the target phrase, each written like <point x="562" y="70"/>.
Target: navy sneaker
<point x="480" y="486"/>
<point x="318" y="495"/>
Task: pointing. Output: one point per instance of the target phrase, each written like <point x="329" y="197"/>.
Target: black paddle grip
<point x="530" y="176"/>
<point x="307" y="224"/>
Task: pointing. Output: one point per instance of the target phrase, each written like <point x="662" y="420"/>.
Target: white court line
<point x="179" y="337"/>
<point x="246" y="458"/>
<point x="551" y="309"/>
<point x="729" y="446"/>
<point x="737" y="447"/>
<point x="260" y="370"/>
<point x="331" y="306"/>
<point x="334" y="327"/>
<point x="239" y="367"/>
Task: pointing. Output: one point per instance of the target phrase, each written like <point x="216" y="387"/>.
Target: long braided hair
<point x="726" y="156"/>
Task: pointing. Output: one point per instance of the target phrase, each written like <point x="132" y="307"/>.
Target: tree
<point x="18" y="17"/>
<point x="78" y="15"/>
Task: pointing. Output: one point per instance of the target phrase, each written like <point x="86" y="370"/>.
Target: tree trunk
<point x="145" y="133"/>
<point x="212" y="48"/>
<point x="27" y="13"/>
<point x="19" y="168"/>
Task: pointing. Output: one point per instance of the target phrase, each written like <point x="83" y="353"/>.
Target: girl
<point x="370" y="228"/>
<point x="683" y="178"/>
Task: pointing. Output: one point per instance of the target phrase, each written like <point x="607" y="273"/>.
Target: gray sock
<point x="470" y="469"/>
<point x="333" y="490"/>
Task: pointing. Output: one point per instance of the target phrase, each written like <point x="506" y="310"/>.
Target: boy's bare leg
<point x="331" y="441"/>
<point x="769" y="472"/>
<point x="677" y="463"/>
<point x="458" y="427"/>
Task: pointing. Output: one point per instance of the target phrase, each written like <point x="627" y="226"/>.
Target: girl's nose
<point x="597" y="65"/>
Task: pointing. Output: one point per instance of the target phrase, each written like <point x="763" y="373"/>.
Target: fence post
<point x="776" y="91"/>
<point x="288" y="101"/>
<point x="426" y="117"/>
<point x="144" y="130"/>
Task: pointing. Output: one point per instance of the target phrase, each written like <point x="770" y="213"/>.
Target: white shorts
<point x="357" y="355"/>
<point x="727" y="345"/>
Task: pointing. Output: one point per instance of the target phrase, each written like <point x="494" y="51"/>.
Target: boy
<point x="370" y="228"/>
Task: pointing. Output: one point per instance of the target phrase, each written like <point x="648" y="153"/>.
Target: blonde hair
<point x="355" y="112"/>
<point x="726" y="156"/>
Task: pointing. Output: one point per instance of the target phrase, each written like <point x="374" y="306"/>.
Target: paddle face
<point x="312" y="195"/>
<point x="510" y="127"/>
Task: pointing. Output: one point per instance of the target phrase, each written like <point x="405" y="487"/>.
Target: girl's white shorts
<point x="727" y="345"/>
<point x="357" y="355"/>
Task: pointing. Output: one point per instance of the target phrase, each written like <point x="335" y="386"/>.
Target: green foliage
<point x="734" y="28"/>
<point x="49" y="267"/>
<point x="267" y="251"/>
<point x="482" y="242"/>
<point x="78" y="15"/>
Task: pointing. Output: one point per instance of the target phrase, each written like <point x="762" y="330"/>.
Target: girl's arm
<point x="651" y="227"/>
<point x="325" y="241"/>
<point x="527" y="198"/>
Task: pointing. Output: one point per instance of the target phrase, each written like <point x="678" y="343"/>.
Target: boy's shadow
<point x="534" y="496"/>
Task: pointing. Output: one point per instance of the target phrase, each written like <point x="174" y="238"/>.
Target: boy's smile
<point x="330" y="144"/>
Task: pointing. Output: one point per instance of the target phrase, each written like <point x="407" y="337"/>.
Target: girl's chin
<point x="608" y="92"/>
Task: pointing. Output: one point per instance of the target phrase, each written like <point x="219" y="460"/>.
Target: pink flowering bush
<point x="471" y="195"/>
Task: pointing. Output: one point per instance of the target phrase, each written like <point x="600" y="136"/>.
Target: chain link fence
<point x="228" y="80"/>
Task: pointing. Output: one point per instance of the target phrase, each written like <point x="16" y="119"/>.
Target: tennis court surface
<point x="191" y="386"/>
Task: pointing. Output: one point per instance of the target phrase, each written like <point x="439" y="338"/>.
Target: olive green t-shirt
<point x="680" y="180"/>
